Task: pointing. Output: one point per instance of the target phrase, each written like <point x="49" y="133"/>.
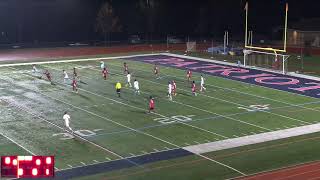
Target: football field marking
<point x="227" y="101"/>
<point x="135" y="107"/>
<point x="18" y="144"/>
<point x="138" y="131"/>
<point x="253" y="139"/>
<point x="194" y="108"/>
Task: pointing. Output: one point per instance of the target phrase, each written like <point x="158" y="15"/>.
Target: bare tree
<point x="107" y="22"/>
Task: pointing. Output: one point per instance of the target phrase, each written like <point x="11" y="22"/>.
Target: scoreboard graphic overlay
<point x="27" y="166"/>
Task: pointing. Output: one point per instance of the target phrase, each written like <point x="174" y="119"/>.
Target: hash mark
<point x="107" y="158"/>
<point x="95" y="161"/>
<point x="167" y="148"/>
<point x="83" y="163"/>
<point x="132" y="154"/>
<point x="156" y="150"/>
<point x="69" y="165"/>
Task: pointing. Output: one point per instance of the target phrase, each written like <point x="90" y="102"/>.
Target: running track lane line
<point x="212" y="160"/>
<point x="287" y="173"/>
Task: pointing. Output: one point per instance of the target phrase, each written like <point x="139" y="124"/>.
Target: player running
<point x="174" y="88"/>
<point x="193" y="88"/>
<point x="34" y="69"/>
<point x="189" y="75"/>
<point x="74" y="85"/>
<point x="128" y="79"/>
<point x="102" y="65"/>
<point x="118" y="88"/>
<point x="136" y="87"/>
<point x="202" y="88"/>
<point x="48" y="75"/>
<point x="170" y="91"/>
<point x="105" y="73"/>
<point x="125" y="68"/>
<point x="66" y="118"/>
<point x="156" y="71"/>
<point x="151" y="104"/>
<point x="65" y="76"/>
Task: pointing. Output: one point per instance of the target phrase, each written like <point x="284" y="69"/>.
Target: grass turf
<point x="121" y="124"/>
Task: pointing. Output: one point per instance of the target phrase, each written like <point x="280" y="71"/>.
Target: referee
<point x="118" y="88"/>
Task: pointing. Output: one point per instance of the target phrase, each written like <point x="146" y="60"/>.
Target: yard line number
<point x="82" y="133"/>
<point x="174" y="119"/>
<point x="257" y="107"/>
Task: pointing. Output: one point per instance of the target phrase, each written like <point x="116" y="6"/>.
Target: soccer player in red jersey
<point x="151" y="104"/>
<point x="174" y="88"/>
<point x="193" y="88"/>
<point x="105" y="73"/>
<point x="74" y="85"/>
<point x="156" y="71"/>
<point x="48" y="75"/>
<point x="125" y="68"/>
<point x="189" y="75"/>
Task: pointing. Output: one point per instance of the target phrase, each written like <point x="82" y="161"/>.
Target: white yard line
<point x="138" y="131"/>
<point x="195" y="127"/>
<point x="230" y="102"/>
<point x="18" y="144"/>
<point x="63" y="129"/>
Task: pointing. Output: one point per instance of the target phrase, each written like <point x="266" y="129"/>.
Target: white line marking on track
<point x="69" y="165"/>
<point x="83" y="163"/>
<point x="95" y="161"/>
<point x="187" y="144"/>
<point x="107" y="158"/>
<point x="156" y="150"/>
<point x="132" y="154"/>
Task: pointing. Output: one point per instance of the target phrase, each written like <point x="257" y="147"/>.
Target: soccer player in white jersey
<point x="34" y="69"/>
<point x="129" y="79"/>
<point x="202" y="83"/>
<point x="136" y="87"/>
<point x="170" y="91"/>
<point x="65" y="76"/>
<point x="102" y="66"/>
<point x="66" y="118"/>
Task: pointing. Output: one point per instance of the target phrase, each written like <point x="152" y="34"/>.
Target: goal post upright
<point x="248" y="49"/>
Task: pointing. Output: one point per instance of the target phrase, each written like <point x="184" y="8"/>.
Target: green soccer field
<point x="109" y="128"/>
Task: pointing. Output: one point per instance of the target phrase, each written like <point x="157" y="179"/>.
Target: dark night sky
<point x="74" y="20"/>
